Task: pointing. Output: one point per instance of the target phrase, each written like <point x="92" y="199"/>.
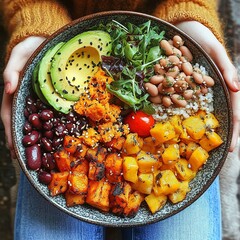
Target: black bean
<point x="33" y="156"/>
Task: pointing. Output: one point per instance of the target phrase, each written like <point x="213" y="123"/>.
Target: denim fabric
<point x="36" y="219"/>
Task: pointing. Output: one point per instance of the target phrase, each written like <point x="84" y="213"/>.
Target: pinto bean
<point x="197" y="78"/>
<point x="158" y="69"/>
<point x="177" y="52"/>
<point x="166" y="46"/>
<point x="190" y="81"/>
<point x="186" y="53"/>
<point x="151" y="89"/>
<point x="187" y="68"/>
<point x="177" y="41"/>
<point x="157" y="99"/>
<point x="188" y="94"/>
<point x="208" y="81"/>
<point x="174" y="60"/>
<point x="166" y="101"/>
<point x="173" y="72"/>
<point x="165" y="91"/>
<point x="168" y="81"/>
<point x="178" y="100"/>
<point x="181" y="76"/>
<point x="180" y="86"/>
<point x="156" y="79"/>
<point x="204" y="89"/>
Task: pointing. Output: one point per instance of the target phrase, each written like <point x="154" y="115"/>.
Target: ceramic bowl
<point x="204" y="177"/>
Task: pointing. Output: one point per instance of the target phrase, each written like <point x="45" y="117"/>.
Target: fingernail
<point x="7" y="87"/>
<point x="236" y="84"/>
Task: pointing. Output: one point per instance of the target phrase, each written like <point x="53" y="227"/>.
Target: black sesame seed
<point x="59" y="69"/>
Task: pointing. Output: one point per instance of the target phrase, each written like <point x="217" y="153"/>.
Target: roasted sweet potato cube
<point x="134" y="201"/>
<point x="116" y="143"/>
<point x="119" y="197"/>
<point x="97" y="154"/>
<point x="98" y="194"/>
<point x="71" y="143"/>
<point x="73" y="199"/>
<point x="81" y="151"/>
<point x="181" y="192"/>
<point x="165" y="182"/>
<point x="96" y="171"/>
<point x="81" y="166"/>
<point x="63" y="160"/>
<point x="77" y="182"/>
<point x="113" y="167"/>
<point x="210" y="141"/>
<point x="154" y="202"/>
<point x="59" y="183"/>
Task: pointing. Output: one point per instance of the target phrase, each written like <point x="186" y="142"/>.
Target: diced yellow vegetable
<point x="211" y="121"/>
<point x="144" y="183"/>
<point x="210" y="141"/>
<point x="195" y="127"/>
<point x="163" y="131"/>
<point x="171" y="153"/>
<point x="182" y="149"/>
<point x="130" y="169"/>
<point x="183" y="171"/>
<point x="201" y="114"/>
<point x="155" y="203"/>
<point x="133" y="144"/>
<point x="181" y="193"/>
<point x="185" y="138"/>
<point x="177" y="123"/>
<point x="191" y="146"/>
<point x="198" y="158"/>
<point x="149" y="145"/>
<point x="147" y="162"/>
<point x="165" y="182"/>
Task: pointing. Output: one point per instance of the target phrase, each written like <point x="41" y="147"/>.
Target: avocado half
<point x="45" y="82"/>
<point x="77" y="61"/>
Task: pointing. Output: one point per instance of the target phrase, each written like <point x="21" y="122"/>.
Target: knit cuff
<point x="37" y="19"/>
<point x="198" y="10"/>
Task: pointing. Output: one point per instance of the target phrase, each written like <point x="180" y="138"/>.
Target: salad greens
<point x="135" y="49"/>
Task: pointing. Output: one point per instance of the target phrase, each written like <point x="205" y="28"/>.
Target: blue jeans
<point x="36" y="219"/>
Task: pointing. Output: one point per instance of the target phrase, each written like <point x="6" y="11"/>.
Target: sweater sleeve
<point x="205" y="12"/>
<point x="23" y="18"/>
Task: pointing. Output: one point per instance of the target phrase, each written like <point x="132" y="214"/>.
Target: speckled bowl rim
<point x="108" y="219"/>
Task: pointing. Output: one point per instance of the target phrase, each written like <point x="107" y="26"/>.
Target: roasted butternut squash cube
<point x="198" y="158"/>
<point x="134" y="201"/>
<point x="171" y="153"/>
<point x="59" y="183"/>
<point x="176" y="121"/>
<point x="163" y="131"/>
<point x="113" y="167"/>
<point x="144" y="183"/>
<point x="210" y="141"/>
<point x="63" y="160"/>
<point x="211" y="121"/>
<point x="149" y="145"/>
<point x="119" y="197"/>
<point x="165" y="182"/>
<point x="133" y="144"/>
<point x="183" y="170"/>
<point x="147" y="162"/>
<point x="154" y="202"/>
<point x="182" y="149"/>
<point x="191" y="146"/>
<point x="116" y="143"/>
<point x="181" y="192"/>
<point x="130" y="169"/>
<point x="98" y="194"/>
<point x="73" y="199"/>
<point x="77" y="182"/>
<point x="195" y="127"/>
<point x="185" y="138"/>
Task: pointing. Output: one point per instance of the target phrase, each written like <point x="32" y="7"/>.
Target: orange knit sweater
<point x="25" y="18"/>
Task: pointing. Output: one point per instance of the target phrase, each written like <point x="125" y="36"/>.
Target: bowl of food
<point x="121" y="119"/>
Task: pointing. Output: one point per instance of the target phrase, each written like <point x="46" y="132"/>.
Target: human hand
<point x="218" y="53"/>
<point x="18" y="58"/>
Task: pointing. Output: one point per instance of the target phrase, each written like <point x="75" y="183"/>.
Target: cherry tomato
<point x="140" y="123"/>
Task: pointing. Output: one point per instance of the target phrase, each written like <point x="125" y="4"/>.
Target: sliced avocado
<point x="77" y="61"/>
<point x="45" y="82"/>
<point x="35" y="85"/>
